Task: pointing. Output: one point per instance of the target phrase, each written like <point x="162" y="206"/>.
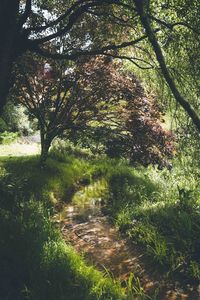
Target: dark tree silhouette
<point x="23" y="26"/>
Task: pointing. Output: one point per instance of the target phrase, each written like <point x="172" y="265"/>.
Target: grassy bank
<point x="35" y="261"/>
<point x="157" y="209"/>
<point x="161" y="211"/>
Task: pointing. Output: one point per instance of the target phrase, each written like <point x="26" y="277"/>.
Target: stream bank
<point x="85" y="225"/>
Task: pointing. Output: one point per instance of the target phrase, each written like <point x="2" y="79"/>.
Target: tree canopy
<point x="93" y="93"/>
<point x="68" y="30"/>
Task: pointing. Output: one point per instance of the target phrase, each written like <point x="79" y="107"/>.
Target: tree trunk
<point x="142" y="8"/>
<point x="5" y="79"/>
<point x="9" y="44"/>
<point x="45" y="145"/>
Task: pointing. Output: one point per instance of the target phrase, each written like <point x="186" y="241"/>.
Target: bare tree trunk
<point x="142" y="8"/>
<point x="45" y="145"/>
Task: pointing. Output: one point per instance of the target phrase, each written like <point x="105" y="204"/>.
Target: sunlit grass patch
<point x="18" y="149"/>
<point x="96" y="191"/>
<point x="58" y="179"/>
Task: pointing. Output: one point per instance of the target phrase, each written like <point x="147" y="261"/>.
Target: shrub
<point x="8" y="137"/>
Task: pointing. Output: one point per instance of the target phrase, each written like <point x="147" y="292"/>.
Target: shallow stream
<point x="85" y="225"/>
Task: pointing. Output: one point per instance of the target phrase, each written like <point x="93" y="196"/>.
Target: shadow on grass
<point x="168" y="228"/>
<point x="35" y="263"/>
<point x="56" y="181"/>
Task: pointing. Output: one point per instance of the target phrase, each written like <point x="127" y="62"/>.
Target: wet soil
<point x="88" y="229"/>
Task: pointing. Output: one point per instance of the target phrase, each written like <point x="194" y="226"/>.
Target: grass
<point x="58" y="180"/>
<point x="11" y="145"/>
<point x="161" y="211"/>
<point x="157" y="209"/>
<point x="35" y="262"/>
<point x="18" y="149"/>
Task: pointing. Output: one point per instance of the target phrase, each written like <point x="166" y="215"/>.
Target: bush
<point x="61" y="150"/>
<point x="3" y="125"/>
<point x="8" y="137"/>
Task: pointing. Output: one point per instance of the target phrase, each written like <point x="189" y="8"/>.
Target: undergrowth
<point x="8" y="137"/>
<point x="161" y="211"/>
<point x="35" y="262"/>
<point x="158" y="209"/>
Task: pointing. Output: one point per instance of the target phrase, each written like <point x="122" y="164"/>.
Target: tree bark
<point x="6" y="64"/>
<point x="45" y="145"/>
<point x="8" y="46"/>
<point x="142" y="9"/>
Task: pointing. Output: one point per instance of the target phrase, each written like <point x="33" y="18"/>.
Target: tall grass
<point x="35" y="262"/>
<point x="160" y="210"/>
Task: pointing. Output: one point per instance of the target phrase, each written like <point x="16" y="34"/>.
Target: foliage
<point x="150" y="143"/>
<point x="79" y="25"/>
<point x="75" y="103"/>
<point x="160" y="210"/>
<point x="3" y="125"/>
<point x="62" y="149"/>
<point x="15" y="119"/>
<point x="83" y="28"/>
<point x="176" y="24"/>
<point x="35" y="261"/>
<point x="8" y="137"/>
<point x="37" y="264"/>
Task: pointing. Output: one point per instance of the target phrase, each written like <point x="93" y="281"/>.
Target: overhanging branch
<point x="72" y="19"/>
<point x="72" y="56"/>
<point x="26" y="13"/>
<point x="143" y="13"/>
<point x="172" y="25"/>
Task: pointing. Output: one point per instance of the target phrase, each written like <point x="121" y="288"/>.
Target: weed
<point x="135" y="289"/>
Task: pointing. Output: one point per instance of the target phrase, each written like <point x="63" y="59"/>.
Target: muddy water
<point x="88" y="229"/>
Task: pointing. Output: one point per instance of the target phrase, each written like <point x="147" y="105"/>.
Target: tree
<point x="40" y="26"/>
<point x="138" y="131"/>
<point x="93" y="92"/>
<point x="148" y="142"/>
<point x="143" y="8"/>
<point x="65" y="98"/>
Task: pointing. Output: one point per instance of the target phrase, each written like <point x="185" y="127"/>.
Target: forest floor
<point x="88" y="228"/>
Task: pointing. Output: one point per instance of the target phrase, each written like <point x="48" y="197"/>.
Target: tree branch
<point x="172" y="25"/>
<point x="143" y="13"/>
<point x="72" y="20"/>
<point x="132" y="60"/>
<point x="26" y="13"/>
<point x="113" y="18"/>
<point x="79" y="53"/>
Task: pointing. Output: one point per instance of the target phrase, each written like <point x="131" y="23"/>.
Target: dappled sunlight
<point x="99" y="150"/>
<point x="90" y="232"/>
<point x="87" y="228"/>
